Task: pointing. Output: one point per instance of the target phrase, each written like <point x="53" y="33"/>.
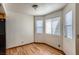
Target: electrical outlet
<point x="59" y="46"/>
<point x="22" y="42"/>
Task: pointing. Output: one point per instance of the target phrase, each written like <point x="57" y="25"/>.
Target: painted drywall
<point x="77" y="17"/>
<point x="69" y="45"/>
<point x="77" y="28"/>
<point x="19" y="29"/>
<point x="47" y="38"/>
<point x="2" y="9"/>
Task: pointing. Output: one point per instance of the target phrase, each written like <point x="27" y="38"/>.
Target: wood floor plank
<point x="33" y="49"/>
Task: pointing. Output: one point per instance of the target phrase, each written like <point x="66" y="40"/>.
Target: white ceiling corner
<point x="43" y="8"/>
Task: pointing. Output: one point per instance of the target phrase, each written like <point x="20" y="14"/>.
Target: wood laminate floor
<point x="33" y="49"/>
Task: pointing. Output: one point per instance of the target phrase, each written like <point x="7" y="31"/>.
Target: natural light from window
<point x="52" y="26"/>
<point x="39" y="26"/>
<point x="56" y="26"/>
<point x="48" y="26"/>
<point x="68" y="25"/>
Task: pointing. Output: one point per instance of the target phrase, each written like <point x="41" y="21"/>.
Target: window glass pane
<point x="68" y="18"/>
<point x="68" y="25"/>
<point x="56" y="26"/>
<point x="39" y="26"/>
<point x="39" y="23"/>
<point x="52" y="26"/>
<point x="39" y="30"/>
<point x="48" y="26"/>
<point x="69" y="32"/>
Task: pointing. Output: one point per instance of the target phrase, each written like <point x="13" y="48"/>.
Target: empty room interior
<point x="39" y="29"/>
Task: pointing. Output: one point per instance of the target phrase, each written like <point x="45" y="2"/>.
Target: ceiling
<point x="26" y="8"/>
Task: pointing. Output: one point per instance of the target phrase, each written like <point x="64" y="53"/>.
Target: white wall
<point x="77" y="28"/>
<point x="2" y="9"/>
<point x="69" y="45"/>
<point x="47" y="38"/>
<point x="19" y="29"/>
<point x="77" y="17"/>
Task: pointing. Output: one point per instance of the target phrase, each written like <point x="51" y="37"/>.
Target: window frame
<point x="51" y="19"/>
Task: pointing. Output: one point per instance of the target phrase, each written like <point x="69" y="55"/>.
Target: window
<point x="39" y="26"/>
<point x="52" y="26"/>
<point x="68" y="25"/>
<point x="48" y="26"/>
<point x="56" y="26"/>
